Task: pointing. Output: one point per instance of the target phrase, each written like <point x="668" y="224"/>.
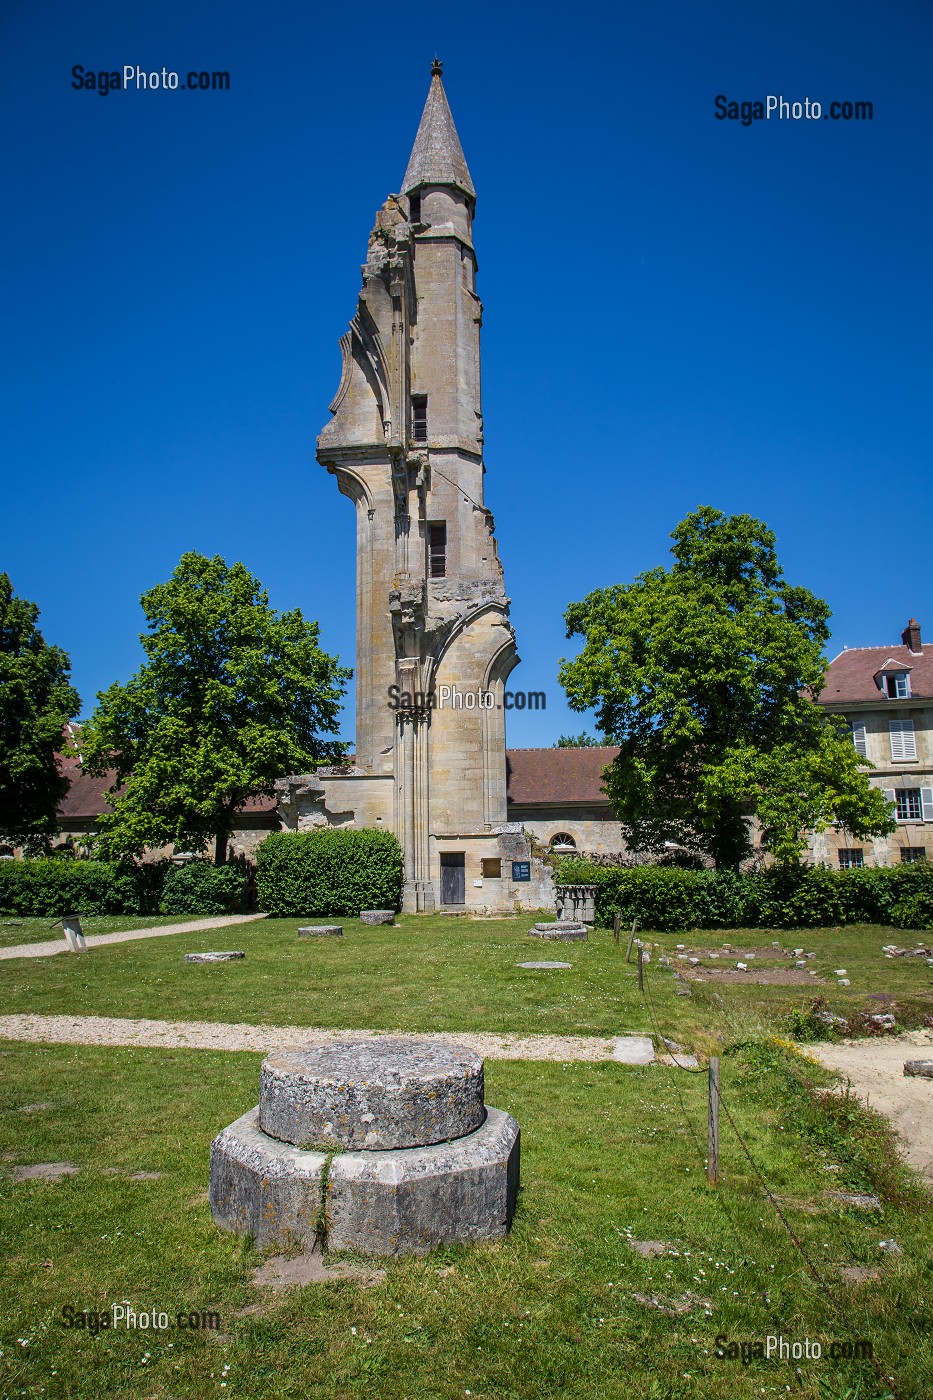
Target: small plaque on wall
<point x="521" y="870"/>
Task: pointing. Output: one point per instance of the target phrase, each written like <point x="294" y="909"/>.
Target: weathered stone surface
<point x="212" y="957"/>
<point x="264" y="1188"/>
<point x="568" y="932"/>
<point x="920" y="1069"/>
<point x="375" y="1094"/>
<point x="321" y="931"/>
<point x="415" y="1199"/>
<point x="576" y="903"/>
<point x="377" y="916"/>
<point x="859" y="1199"/>
<point x="544" y="966"/>
<point x="633" y="1050"/>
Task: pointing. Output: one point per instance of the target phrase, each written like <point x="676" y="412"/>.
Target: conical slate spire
<point x="437" y="157"/>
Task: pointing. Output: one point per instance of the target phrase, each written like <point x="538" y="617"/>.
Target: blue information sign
<point x="521" y="870"/>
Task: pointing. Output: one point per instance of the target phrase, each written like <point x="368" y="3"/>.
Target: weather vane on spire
<point x="437" y="67"/>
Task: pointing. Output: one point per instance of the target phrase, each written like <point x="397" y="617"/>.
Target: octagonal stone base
<point x="401" y="1201"/>
<point x="413" y="1199"/>
<point x="263" y="1187"/>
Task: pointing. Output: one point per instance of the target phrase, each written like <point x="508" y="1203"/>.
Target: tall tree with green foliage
<point x="705" y="674"/>
<point x="232" y="695"/>
<point x="36" y="702"/>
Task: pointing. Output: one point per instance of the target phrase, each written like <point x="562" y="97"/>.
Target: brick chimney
<point x="911" y="636"/>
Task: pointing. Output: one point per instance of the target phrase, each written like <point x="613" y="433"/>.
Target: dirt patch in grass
<point x="761" y="977"/>
<point x="875" y="1070"/>
<point x="282" y="1271"/>
<point x="45" y="1171"/>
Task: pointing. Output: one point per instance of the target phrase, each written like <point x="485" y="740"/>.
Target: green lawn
<point x="607" y="1154"/>
<point x="449" y="974"/>
<point x="14" y="930"/>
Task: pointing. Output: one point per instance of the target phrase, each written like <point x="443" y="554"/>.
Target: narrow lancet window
<point x="419" y="417"/>
<point x="437" y="550"/>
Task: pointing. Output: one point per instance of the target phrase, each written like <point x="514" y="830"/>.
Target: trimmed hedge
<point x="51" y="887"/>
<point x="202" y="888"/>
<point x="320" y="874"/>
<point x="668" y="899"/>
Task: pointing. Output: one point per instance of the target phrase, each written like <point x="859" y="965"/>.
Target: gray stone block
<point x="565" y="931"/>
<point x="264" y="1188"/>
<point x="921" y="1069"/>
<point x="377" y="1094"/>
<point x="321" y="931"/>
<point x="213" y="957"/>
<point x="377" y="916"/>
<point x="633" y="1050"/>
<point x="415" y="1199"/>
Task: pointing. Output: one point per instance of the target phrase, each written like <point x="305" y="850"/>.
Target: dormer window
<point x="414" y="208"/>
<point x="896" y="684"/>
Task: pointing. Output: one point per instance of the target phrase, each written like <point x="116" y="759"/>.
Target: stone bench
<point x="321" y="931"/>
<point x="377" y="916"/>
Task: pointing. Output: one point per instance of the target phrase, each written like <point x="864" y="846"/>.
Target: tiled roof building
<point x="886" y="694"/>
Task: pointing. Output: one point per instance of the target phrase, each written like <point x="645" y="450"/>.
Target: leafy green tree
<point x="36" y="702"/>
<point x="577" y="741"/>
<point x="705" y="675"/>
<point x="232" y="695"/>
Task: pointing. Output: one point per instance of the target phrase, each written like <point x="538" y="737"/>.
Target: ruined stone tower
<point x="434" y="642"/>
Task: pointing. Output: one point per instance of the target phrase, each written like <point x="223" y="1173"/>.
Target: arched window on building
<point x="563" y="841"/>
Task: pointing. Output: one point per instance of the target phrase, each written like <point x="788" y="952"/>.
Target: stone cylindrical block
<point x="373" y="1094"/>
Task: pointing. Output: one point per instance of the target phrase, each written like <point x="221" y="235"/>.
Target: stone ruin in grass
<point x="384" y="1146"/>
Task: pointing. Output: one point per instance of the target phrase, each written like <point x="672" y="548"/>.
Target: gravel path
<point x="94" y="940"/>
<point x="875" y="1069"/>
<point x="219" y="1035"/>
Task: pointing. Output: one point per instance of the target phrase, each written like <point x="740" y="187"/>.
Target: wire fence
<point x="838" y="1310"/>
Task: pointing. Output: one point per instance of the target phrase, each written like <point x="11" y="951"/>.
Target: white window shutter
<point x="903" y="740"/>
<point x="859" y="738"/>
<point x="889" y="796"/>
<point x="926" y="803"/>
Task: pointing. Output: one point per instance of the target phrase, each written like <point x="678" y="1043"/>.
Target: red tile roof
<point x="550" y="776"/>
<point x="535" y="777"/>
<point x="851" y="675"/>
<point x="85" y="798"/>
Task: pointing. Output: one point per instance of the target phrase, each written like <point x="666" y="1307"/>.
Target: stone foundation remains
<point x="420" y="1160"/>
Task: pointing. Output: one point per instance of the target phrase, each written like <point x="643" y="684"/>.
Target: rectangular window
<point x="492" y="869"/>
<point x="908" y="805"/>
<point x="850" y="858"/>
<point x="437" y="550"/>
<point x="859" y="737"/>
<point x="911" y="854"/>
<point x="896" y="684"/>
<point x="903" y="742"/>
<point x="419" y="417"/>
<point x="414" y="208"/>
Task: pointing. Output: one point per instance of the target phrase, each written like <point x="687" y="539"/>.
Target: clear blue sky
<point x="679" y="310"/>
